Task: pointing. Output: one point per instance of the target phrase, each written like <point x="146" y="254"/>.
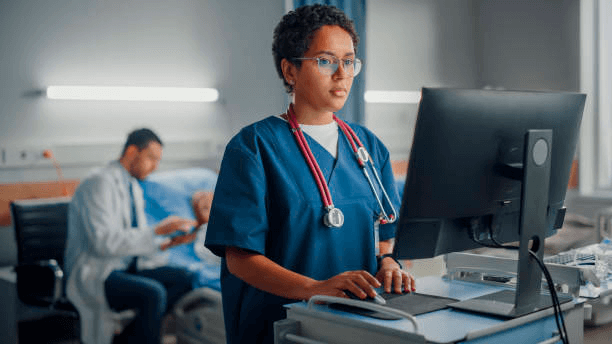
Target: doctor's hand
<point x="178" y="240"/>
<point x="394" y="278"/>
<point x="172" y="224"/>
<point x="361" y="283"/>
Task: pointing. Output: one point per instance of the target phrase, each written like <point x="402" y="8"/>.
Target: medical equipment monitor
<point x="485" y="167"/>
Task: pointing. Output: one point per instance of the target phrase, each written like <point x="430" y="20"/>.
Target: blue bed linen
<point x="169" y="193"/>
<point x="400" y="181"/>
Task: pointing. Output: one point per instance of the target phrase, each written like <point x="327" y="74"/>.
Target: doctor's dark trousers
<point x="151" y="293"/>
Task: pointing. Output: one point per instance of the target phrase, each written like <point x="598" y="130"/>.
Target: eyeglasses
<point x="328" y="64"/>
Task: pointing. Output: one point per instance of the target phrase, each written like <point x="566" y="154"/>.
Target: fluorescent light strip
<point x="393" y="97"/>
<point x="160" y="94"/>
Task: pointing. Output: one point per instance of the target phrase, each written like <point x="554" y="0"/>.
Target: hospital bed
<point x="199" y="316"/>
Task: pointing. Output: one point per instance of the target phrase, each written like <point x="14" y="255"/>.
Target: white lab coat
<point x="100" y="239"/>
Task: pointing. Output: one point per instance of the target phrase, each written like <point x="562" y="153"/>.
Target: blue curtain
<point x="354" y="109"/>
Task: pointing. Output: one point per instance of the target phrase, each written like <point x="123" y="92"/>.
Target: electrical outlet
<point x="22" y="156"/>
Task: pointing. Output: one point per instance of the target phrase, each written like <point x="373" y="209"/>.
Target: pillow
<point x="169" y="192"/>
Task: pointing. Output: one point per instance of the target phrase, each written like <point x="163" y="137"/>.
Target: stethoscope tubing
<point x="362" y="158"/>
<point x="352" y="137"/>
<point x="311" y="161"/>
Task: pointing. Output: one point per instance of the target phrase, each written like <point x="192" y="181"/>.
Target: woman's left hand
<point x="391" y="276"/>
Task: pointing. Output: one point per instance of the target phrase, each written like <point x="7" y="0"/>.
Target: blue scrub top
<point x="266" y="200"/>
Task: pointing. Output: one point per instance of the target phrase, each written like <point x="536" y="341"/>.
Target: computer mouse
<point x="377" y="299"/>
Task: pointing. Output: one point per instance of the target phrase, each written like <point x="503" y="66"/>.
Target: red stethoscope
<point x="334" y="217"/>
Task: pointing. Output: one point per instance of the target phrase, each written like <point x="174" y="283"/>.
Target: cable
<point x="551" y="287"/>
<point x="553" y="293"/>
<point x="48" y="154"/>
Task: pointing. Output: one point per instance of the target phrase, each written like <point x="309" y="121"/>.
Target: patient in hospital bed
<point x="186" y="193"/>
<point x="201" y="202"/>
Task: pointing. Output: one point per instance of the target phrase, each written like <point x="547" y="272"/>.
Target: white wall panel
<point x="225" y="44"/>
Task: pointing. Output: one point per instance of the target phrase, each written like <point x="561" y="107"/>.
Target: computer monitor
<point x="489" y="166"/>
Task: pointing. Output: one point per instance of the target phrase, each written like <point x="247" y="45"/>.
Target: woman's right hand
<point x="264" y="274"/>
<point x="360" y="282"/>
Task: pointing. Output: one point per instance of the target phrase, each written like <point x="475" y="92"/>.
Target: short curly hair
<point x="296" y="30"/>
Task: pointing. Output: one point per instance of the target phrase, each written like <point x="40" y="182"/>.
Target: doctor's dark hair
<point x="296" y="30"/>
<point x="141" y="139"/>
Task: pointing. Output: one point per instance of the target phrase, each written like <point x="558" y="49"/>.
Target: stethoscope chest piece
<point x="334" y="218"/>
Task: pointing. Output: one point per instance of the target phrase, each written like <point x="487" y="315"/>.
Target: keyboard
<point x="571" y="258"/>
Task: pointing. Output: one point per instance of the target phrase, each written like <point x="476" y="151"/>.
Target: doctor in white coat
<point x="107" y="230"/>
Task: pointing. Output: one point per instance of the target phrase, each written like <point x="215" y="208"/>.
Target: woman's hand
<point x="394" y="278"/>
<point x="264" y="274"/>
<point x="361" y="283"/>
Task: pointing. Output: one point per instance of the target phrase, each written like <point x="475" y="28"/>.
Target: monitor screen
<point x="456" y="187"/>
<point x="486" y="167"/>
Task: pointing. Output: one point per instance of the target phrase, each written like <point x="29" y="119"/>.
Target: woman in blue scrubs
<point x="268" y="218"/>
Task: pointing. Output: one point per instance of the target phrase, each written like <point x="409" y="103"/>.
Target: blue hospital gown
<point x="267" y="201"/>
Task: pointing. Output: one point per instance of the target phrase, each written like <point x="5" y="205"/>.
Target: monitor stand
<point x="533" y="224"/>
<point x="502" y="304"/>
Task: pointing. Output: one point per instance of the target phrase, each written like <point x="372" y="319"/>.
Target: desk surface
<point x="464" y="324"/>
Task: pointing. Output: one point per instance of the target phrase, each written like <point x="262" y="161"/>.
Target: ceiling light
<point x="168" y="94"/>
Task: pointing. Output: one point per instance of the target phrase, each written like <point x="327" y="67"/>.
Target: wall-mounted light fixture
<point x="393" y="97"/>
<point x="168" y="94"/>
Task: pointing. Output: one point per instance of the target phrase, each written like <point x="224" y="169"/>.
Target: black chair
<point x="40" y="232"/>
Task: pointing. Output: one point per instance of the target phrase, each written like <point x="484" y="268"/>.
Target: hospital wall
<point x="509" y="44"/>
<point x="522" y="44"/>
<point x="225" y="44"/>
